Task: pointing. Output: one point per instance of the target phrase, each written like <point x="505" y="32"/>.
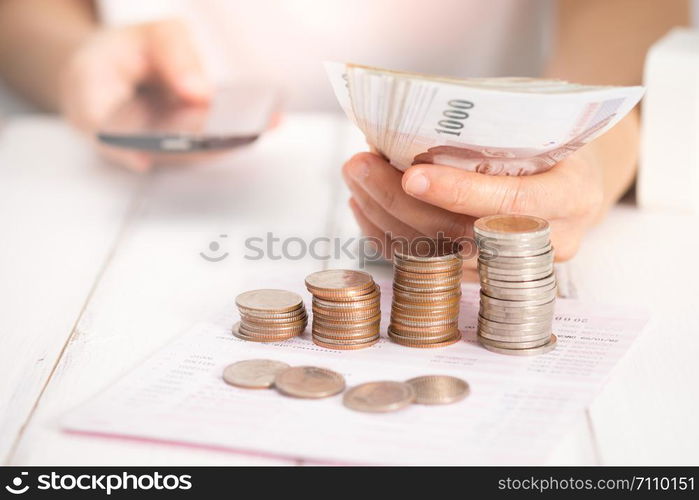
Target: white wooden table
<point x="100" y="267"/>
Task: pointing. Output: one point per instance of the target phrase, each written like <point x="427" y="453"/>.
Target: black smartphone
<point x="155" y="122"/>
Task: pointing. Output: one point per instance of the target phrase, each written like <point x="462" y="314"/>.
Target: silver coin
<point x="379" y="397"/>
<point x="549" y="280"/>
<point x="515" y="253"/>
<point x="487" y="270"/>
<point x="523" y="325"/>
<point x="493" y="246"/>
<point x="509" y="336"/>
<point x="438" y="389"/>
<point x="484" y="268"/>
<point x="520" y="338"/>
<point x="310" y="382"/>
<point x="493" y="271"/>
<point x="515" y="345"/>
<point x="494" y="293"/>
<point x="516" y="277"/>
<point x="515" y="307"/>
<point x="504" y="321"/>
<point x="514" y="319"/>
<point x="533" y="290"/>
<point x="519" y="262"/>
<point x="253" y="373"/>
<point x="495" y="325"/>
<point x="514" y="303"/>
<point x="512" y="297"/>
<point x="548" y="347"/>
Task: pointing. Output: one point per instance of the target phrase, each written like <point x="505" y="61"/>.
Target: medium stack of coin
<point x="426" y="299"/>
<point x="270" y="315"/>
<point x="518" y="284"/>
<point x="346" y="309"/>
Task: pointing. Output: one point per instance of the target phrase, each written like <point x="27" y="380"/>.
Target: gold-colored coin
<point x="509" y="227"/>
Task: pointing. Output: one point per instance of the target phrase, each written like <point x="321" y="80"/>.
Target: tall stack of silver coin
<point x="518" y="284"/>
<point x="426" y="298"/>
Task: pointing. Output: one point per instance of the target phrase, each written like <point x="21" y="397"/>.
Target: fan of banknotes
<point x="499" y="126"/>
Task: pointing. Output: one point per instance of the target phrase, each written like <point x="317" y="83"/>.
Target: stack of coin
<point x="518" y="284"/>
<point x="270" y="315"/>
<point x="346" y="309"/>
<point x="426" y="298"/>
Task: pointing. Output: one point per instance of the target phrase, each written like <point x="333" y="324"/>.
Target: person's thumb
<point x="176" y="61"/>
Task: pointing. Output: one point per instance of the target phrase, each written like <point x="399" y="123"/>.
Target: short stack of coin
<point x="270" y="315"/>
<point x="426" y="299"/>
<point x="346" y="309"/>
<point x="518" y="284"/>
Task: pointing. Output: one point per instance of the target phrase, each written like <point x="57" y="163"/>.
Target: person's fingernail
<point x="359" y="171"/>
<point x="417" y="184"/>
<point x="195" y="85"/>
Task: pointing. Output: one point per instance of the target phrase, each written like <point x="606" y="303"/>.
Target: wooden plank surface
<point x="61" y="211"/>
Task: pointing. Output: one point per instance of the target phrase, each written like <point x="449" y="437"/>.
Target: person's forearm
<point x="604" y="42"/>
<point x="615" y="154"/>
<point x="36" y="39"/>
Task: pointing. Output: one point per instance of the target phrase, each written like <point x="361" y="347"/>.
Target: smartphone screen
<point x="155" y="121"/>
